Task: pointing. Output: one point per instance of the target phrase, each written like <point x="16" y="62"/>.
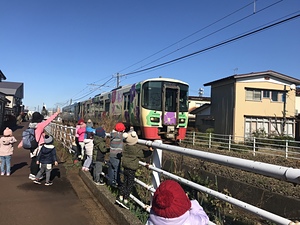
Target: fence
<point x="282" y="148"/>
<point x="66" y="135"/>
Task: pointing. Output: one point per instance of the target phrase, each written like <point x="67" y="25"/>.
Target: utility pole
<point x="118" y="79"/>
<point x="284" y="111"/>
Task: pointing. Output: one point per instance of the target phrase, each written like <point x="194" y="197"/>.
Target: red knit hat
<point x="80" y="121"/>
<point x="170" y="200"/>
<point x="120" y="127"/>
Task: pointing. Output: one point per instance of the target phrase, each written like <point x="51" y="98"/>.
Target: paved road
<point x="26" y="203"/>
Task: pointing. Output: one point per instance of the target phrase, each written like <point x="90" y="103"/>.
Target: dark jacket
<point x="132" y="155"/>
<point x="99" y="149"/>
<point x="47" y="154"/>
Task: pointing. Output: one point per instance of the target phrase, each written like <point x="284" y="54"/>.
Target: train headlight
<point x="181" y="120"/>
<point x="154" y="119"/>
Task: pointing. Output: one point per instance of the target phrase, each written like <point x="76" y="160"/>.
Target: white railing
<point x="66" y="135"/>
<point x="282" y="148"/>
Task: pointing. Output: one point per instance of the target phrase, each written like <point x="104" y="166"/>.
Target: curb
<point x="104" y="196"/>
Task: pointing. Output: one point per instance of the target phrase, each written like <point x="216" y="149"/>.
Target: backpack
<point x="29" y="140"/>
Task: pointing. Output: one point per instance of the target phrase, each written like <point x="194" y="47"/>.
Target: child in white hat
<point x="46" y="157"/>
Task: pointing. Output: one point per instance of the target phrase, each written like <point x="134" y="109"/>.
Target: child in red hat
<point x="171" y="205"/>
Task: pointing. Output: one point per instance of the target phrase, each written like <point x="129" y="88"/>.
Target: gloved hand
<point x="294" y="223"/>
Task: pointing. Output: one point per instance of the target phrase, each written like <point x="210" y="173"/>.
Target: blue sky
<point x="67" y="49"/>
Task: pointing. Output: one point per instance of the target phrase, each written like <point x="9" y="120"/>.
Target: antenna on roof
<point x="201" y="92"/>
<point x="235" y="70"/>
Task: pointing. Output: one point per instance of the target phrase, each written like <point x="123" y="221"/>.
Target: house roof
<point x="255" y="74"/>
<point x="203" y="107"/>
<point x="11" y="88"/>
<point x="199" y="98"/>
<point x="2" y="77"/>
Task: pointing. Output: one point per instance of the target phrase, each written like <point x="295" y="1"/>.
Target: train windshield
<point x="153" y="92"/>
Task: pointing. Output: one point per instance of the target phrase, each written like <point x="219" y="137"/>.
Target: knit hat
<point x="37" y="117"/>
<point x="120" y="127"/>
<point x="7" y="132"/>
<point x="170" y="200"/>
<point x="80" y="121"/>
<point x="100" y="132"/>
<point x="89" y="123"/>
<point x="48" y="139"/>
<point x="130" y="138"/>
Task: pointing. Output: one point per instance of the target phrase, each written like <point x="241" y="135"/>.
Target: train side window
<point x="107" y="105"/>
<point x="126" y="101"/>
<point x="101" y="104"/>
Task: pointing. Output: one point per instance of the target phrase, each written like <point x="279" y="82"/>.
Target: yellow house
<point x="260" y="101"/>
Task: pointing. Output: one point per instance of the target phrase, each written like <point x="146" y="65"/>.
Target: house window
<point x="253" y="94"/>
<point x="266" y="94"/>
<point x="270" y="126"/>
<point x="277" y="96"/>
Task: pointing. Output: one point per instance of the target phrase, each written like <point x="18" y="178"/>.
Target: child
<point x="81" y="133"/>
<point x="78" y="147"/>
<point x="132" y="153"/>
<point x="99" y="152"/>
<point x="88" y="146"/>
<point x="46" y="156"/>
<point x="115" y="154"/>
<point x="6" y="150"/>
<point x="171" y="205"/>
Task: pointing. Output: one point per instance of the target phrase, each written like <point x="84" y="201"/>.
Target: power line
<point x="229" y="25"/>
<point x="216" y="45"/>
<point x="213" y="23"/>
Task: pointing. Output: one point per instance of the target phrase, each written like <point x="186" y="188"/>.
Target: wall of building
<point x="264" y="108"/>
<point x="222" y="107"/>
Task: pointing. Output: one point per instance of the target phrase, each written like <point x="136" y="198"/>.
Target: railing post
<point x="194" y="136"/>
<point x="254" y="146"/>
<point x="157" y="162"/>
<point x="209" y="141"/>
<point x="229" y="143"/>
<point x="286" y="148"/>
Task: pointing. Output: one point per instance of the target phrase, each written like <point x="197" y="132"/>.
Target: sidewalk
<point x="26" y="203"/>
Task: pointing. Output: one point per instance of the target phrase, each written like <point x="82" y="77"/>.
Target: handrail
<point x="279" y="172"/>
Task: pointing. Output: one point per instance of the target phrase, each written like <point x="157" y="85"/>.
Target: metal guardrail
<point x="66" y="135"/>
<point x="282" y="148"/>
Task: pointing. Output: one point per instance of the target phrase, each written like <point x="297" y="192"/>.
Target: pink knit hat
<point x="7" y="132"/>
<point x="170" y="200"/>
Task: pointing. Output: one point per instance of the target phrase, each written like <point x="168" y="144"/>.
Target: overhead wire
<point x="216" y="45"/>
<point x="211" y="24"/>
<point x="194" y="53"/>
<point x="190" y="35"/>
<point x="229" y="25"/>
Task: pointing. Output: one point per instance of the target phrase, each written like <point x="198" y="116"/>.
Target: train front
<point x="164" y="109"/>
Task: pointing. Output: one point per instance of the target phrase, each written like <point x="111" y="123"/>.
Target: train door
<point x="170" y="104"/>
<point x="170" y="109"/>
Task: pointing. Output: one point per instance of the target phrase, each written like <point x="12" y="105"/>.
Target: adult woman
<point x="39" y="124"/>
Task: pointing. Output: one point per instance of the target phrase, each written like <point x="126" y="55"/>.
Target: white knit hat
<point x="130" y="138"/>
<point x="48" y="139"/>
<point x="7" y="132"/>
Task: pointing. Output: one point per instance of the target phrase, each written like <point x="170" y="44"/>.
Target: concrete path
<point x="26" y="203"/>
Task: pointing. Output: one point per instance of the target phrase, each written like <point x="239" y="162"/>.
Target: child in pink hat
<point x="6" y="150"/>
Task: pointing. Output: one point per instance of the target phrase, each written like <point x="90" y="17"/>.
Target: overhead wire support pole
<point x="118" y="78"/>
